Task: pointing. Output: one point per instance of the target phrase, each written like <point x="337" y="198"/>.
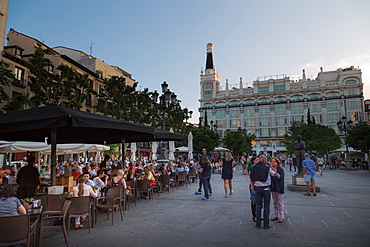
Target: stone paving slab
<point x="338" y="216"/>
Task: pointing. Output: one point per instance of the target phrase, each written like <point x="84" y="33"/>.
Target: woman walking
<point x="227" y="165"/>
<point x="320" y="162"/>
<point x="277" y="190"/>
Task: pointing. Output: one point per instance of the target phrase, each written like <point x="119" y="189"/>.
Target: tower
<point x="209" y="79"/>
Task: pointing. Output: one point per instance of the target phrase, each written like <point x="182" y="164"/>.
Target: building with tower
<point x="268" y="108"/>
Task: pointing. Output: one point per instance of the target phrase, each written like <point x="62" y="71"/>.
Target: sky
<point x="165" y="40"/>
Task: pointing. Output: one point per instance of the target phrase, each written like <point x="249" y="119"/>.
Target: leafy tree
<point x="359" y="137"/>
<point x="16" y="104"/>
<point x="204" y="138"/>
<point x="6" y="77"/>
<point x="238" y="141"/>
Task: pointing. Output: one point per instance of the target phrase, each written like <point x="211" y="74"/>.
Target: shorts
<point x="321" y="165"/>
<point x="244" y="165"/>
<point x="309" y="178"/>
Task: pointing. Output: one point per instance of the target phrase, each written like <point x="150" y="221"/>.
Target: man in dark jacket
<point x="260" y="183"/>
<point x="28" y="179"/>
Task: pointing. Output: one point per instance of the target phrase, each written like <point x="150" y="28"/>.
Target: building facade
<point x="268" y="108"/>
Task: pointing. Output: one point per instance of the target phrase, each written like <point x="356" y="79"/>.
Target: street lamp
<point x="213" y="126"/>
<point x="345" y="126"/>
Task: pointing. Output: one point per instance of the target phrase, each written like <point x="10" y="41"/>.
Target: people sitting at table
<point x="170" y="173"/>
<point x="82" y="189"/>
<point x="119" y="180"/>
<point x="46" y="174"/>
<point x="101" y="180"/>
<point x="89" y="181"/>
<point x="93" y="170"/>
<point x="180" y="168"/>
<point x="4" y="172"/>
<point x="149" y="175"/>
<point x="162" y="169"/>
<point x="131" y="174"/>
<point x="9" y="203"/>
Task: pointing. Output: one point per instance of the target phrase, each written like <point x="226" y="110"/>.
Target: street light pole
<point x="345" y="126"/>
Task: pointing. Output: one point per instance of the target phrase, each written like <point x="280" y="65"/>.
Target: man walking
<point x="309" y="171"/>
<point x="260" y="183"/>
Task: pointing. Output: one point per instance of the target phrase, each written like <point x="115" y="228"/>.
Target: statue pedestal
<point x="298" y="184"/>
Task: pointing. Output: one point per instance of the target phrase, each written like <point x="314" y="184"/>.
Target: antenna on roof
<point x="91" y="46"/>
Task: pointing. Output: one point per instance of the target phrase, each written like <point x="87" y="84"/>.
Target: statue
<point x="299" y="147"/>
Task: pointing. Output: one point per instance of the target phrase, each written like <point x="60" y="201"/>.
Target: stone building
<point x="270" y="104"/>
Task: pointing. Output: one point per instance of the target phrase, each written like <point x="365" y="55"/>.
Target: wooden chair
<point x="132" y="196"/>
<point x="113" y="200"/>
<point x="80" y="206"/>
<point x="16" y="230"/>
<point x="182" y="178"/>
<point x="48" y="217"/>
<point x="144" y="187"/>
<point x="165" y="180"/>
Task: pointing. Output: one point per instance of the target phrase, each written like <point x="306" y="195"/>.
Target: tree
<point x="359" y="137"/>
<point x="238" y="141"/>
<point x="204" y="138"/>
<point x="6" y="77"/>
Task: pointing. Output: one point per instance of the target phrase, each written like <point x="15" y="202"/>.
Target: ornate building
<point x="269" y="107"/>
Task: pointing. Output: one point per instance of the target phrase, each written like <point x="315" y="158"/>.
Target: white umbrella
<point x="190" y="146"/>
<point x="221" y="149"/>
<point x="154" y="150"/>
<point x="171" y="148"/>
<point x="133" y="151"/>
<point x="182" y="149"/>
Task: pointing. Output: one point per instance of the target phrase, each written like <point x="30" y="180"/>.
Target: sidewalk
<point x="338" y="216"/>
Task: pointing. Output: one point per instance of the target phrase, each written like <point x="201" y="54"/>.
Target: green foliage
<point x="6" y="77"/>
<point x="112" y="150"/>
<point x="317" y="137"/>
<point x="359" y="137"/>
<point x="204" y="138"/>
<point x="238" y="141"/>
<point x="16" y="104"/>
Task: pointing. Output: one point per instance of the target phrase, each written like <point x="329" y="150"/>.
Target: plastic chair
<point x="16" y="230"/>
<point x="132" y="195"/>
<point x="165" y="180"/>
<point x="113" y="200"/>
<point x="144" y="187"/>
<point x="54" y="202"/>
<point x="80" y="206"/>
<point x="182" y="178"/>
<point x="54" y="216"/>
<point x="192" y="175"/>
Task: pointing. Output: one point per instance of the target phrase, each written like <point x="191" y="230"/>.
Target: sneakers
<point x="209" y="194"/>
<point x="198" y="192"/>
<point x="205" y="198"/>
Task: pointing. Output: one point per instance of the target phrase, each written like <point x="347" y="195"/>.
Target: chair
<point x="182" y="178"/>
<point x="16" y="230"/>
<point x="144" y="187"/>
<point x="132" y="195"/>
<point x="54" y="202"/>
<point x="48" y="217"/>
<point x="113" y="200"/>
<point x="80" y="206"/>
<point x="192" y="175"/>
<point x="165" y="180"/>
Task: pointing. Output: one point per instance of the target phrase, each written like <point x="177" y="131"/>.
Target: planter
<point x="27" y="205"/>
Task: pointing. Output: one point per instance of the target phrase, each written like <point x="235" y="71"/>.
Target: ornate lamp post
<point x="165" y="100"/>
<point x="345" y="126"/>
<point x="213" y="126"/>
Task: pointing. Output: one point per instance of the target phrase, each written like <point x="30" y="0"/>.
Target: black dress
<point x="227" y="169"/>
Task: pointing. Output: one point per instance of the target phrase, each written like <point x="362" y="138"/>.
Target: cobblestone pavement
<point x="338" y="216"/>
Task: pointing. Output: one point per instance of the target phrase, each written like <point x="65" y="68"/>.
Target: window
<point x="334" y="117"/>
<point x="220" y="114"/>
<point x="220" y="104"/>
<point x="248" y="112"/>
<point x="234" y="103"/>
<point x="249" y="122"/>
<point x="207" y="96"/>
<point x="78" y="94"/>
<point x="266" y="143"/>
<point x="100" y="74"/>
<point x="234" y="114"/>
<point x="221" y="123"/>
<point x="334" y="106"/>
<point x="208" y="86"/>
<point x="264" y="111"/>
<point x="263" y="89"/>
<point x="314" y="96"/>
<point x="264" y="121"/>
<point x="208" y="106"/>
<point x="353" y="105"/>
<point x="19" y="74"/>
<point x="351" y="82"/>
<point x="281" y="131"/>
<point x="297" y="109"/>
<point x="279" y="88"/>
<point x="279" y="110"/>
<point x="88" y="100"/>
<point x="333" y="95"/>
<point x="280" y="99"/>
<point x="281" y="120"/>
<point x="279" y="143"/>
<point x="265" y="132"/>
<point x="315" y="107"/>
<point x="296" y="98"/>
<point x="317" y="117"/>
<point x="51" y="68"/>
<point x="352" y="92"/>
<point x="297" y="118"/>
<point x="248" y="102"/>
<point x="355" y="116"/>
<point x="234" y="123"/>
<point x="264" y="101"/>
<point x="18" y="52"/>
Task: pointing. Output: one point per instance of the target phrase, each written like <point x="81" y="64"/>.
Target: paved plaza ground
<point x="338" y="216"/>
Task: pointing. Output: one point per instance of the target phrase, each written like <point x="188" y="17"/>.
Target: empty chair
<point x="55" y="220"/>
<point x="143" y="186"/>
<point x="113" y="200"/>
<point x="80" y="206"/>
<point x="165" y="180"/>
<point x="191" y="175"/>
<point x="182" y="178"/>
<point x="54" y="202"/>
<point x="132" y="195"/>
<point x="16" y="230"/>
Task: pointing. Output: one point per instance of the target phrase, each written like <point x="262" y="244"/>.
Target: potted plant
<point x="27" y="202"/>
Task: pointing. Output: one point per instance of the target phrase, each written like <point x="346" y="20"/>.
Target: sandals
<point x="307" y="194"/>
<point x="314" y="194"/>
<point x="226" y="194"/>
<point x="231" y="192"/>
<point x="275" y="218"/>
<point x="78" y="227"/>
<point x="281" y="221"/>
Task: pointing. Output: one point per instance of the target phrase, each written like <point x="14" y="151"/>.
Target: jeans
<point x="263" y="195"/>
<point x="206" y="185"/>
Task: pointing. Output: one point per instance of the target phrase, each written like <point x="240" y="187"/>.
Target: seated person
<point x="46" y="175"/>
<point x="89" y="181"/>
<point x="9" y="203"/>
<point x="101" y="180"/>
<point x="4" y="172"/>
<point x="119" y="180"/>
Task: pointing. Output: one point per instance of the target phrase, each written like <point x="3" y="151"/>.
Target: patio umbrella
<point x="133" y="151"/>
<point x="154" y="150"/>
<point x="190" y="146"/>
<point x="171" y="148"/>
